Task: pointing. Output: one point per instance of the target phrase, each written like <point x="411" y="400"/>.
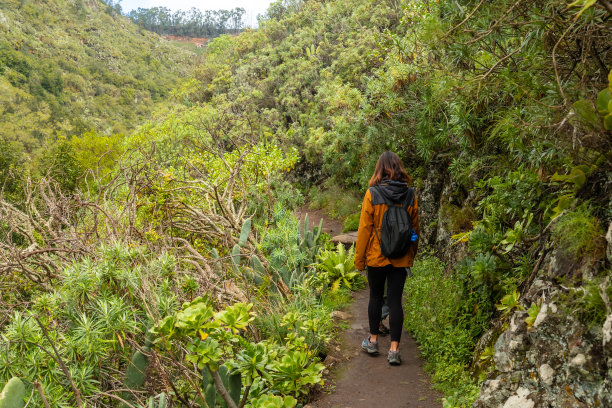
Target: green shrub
<point x="334" y="200"/>
<point x="286" y="367"/>
<point x="579" y="233"/>
<point x="95" y="310"/>
<point x="436" y="314"/>
<point x="351" y="223"/>
<point x="586" y="301"/>
<point x="59" y="161"/>
<point x="291" y="247"/>
<point x="337" y="269"/>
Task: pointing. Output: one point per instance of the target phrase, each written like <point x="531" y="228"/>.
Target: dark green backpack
<point x="396" y="231"/>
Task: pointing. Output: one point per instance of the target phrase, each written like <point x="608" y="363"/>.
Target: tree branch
<point x="77" y="394"/>
<point x="221" y="388"/>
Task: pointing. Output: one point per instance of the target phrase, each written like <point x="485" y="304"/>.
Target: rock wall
<point x="440" y="191"/>
<point x="429" y="200"/>
<point x="559" y="362"/>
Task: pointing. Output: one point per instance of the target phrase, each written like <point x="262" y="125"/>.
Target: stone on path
<point x="348" y="238"/>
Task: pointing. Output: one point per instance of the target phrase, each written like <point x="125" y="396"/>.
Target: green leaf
<point x="603" y="100"/>
<point x="194" y="316"/>
<point x="576" y="176"/>
<point x="204" y="352"/>
<point x="165" y="327"/>
<point x="252" y="361"/>
<point x="335" y="285"/>
<point x="509" y="302"/>
<point x="236" y="317"/>
<point x="584" y="109"/>
<point x="244" y="233"/>
<point x="533" y="312"/>
<point x="13" y="393"/>
<point x="565" y="201"/>
<point x="236" y="255"/>
<point x="586" y="4"/>
<point x="608" y="122"/>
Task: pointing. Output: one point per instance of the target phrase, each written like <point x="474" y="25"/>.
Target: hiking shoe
<point x="382" y="329"/>
<point x="394" y="357"/>
<point x="369" y="347"/>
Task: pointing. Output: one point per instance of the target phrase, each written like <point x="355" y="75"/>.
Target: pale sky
<point x="252" y="7"/>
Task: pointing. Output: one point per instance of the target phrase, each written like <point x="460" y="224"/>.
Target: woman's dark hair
<point x="389" y="167"/>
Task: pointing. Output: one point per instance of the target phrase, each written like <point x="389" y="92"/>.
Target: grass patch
<point x="435" y="316"/>
<point x="336" y="300"/>
<point x="586" y="302"/>
<point x="334" y="200"/>
<point x="351" y="223"/>
<point x="579" y="233"/>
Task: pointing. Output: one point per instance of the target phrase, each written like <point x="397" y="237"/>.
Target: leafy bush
<point x="578" y="233"/>
<point x="351" y="223"/>
<point x="438" y="314"/>
<point x="337" y="269"/>
<point x="212" y="339"/>
<point x="92" y="316"/>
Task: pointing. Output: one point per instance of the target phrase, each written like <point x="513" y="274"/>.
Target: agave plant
<point x="337" y="268"/>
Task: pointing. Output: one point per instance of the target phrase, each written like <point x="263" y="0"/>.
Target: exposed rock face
<point x="559" y="362"/>
<point x="429" y="201"/>
<point x="439" y="190"/>
<point x="347" y="239"/>
<point x="609" y="246"/>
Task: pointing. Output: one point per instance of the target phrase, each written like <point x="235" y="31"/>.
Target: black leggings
<point x="396" y="278"/>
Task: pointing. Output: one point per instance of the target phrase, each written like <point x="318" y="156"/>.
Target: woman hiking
<point x="387" y="242"/>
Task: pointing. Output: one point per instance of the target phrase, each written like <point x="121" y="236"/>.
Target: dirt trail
<point x="362" y="381"/>
<point x="330" y="226"/>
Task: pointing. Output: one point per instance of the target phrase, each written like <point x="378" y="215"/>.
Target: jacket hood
<point x="394" y="191"/>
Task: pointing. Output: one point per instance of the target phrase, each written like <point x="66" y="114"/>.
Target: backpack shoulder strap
<point x="410" y="199"/>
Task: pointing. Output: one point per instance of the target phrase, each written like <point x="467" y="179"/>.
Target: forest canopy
<point x="190" y="23"/>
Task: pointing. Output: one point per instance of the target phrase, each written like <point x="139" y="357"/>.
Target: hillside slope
<point x="501" y="112"/>
<point x="71" y="66"/>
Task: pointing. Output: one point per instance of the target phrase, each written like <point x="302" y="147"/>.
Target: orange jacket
<point x="367" y="251"/>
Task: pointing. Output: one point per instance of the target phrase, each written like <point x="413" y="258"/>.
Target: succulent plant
<point x="136" y="373"/>
<point x="162" y="401"/>
<point x="13" y="394"/>
<point x="231" y="382"/>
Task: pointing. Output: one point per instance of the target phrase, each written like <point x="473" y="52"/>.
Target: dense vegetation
<point x="191" y="23"/>
<point x="178" y="248"/>
<point x="70" y="67"/>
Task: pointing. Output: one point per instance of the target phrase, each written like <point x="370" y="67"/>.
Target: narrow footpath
<point x="362" y="381"/>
